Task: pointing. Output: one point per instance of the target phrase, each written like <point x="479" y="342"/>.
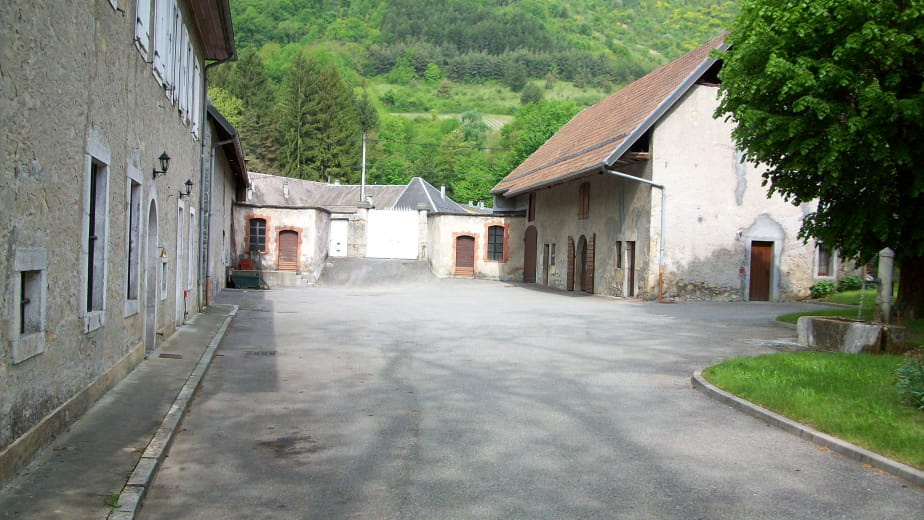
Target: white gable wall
<point x="716" y="207"/>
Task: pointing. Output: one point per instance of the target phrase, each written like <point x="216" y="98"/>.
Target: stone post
<point x="883" y="311"/>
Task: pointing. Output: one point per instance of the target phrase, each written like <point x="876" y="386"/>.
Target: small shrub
<point x="850" y="283"/>
<point x="822" y="288"/>
<point x="910" y="377"/>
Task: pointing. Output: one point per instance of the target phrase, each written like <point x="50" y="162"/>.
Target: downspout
<point x="205" y="214"/>
<point x="663" y="224"/>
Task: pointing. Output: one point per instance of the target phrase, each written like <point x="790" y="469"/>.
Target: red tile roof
<point x="586" y="142"/>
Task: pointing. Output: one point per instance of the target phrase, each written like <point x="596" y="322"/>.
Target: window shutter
<point x="162" y="40"/>
<point x="143" y="26"/>
<point x="197" y="98"/>
<point x="175" y="68"/>
<point x="187" y="75"/>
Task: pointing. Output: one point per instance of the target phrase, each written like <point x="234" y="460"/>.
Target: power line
<point x="440" y="145"/>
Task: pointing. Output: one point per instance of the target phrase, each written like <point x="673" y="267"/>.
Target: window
<point x="192" y="249"/>
<point x="257" y="235"/>
<point x="133" y="269"/>
<point x="163" y="41"/>
<point x="496" y="243"/>
<point x="27" y="325"/>
<point x="531" y="212"/>
<point x="584" y="202"/>
<point x="825" y="262"/>
<point x="96" y="240"/>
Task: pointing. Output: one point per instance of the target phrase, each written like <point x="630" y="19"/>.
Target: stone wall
<point x="74" y="92"/>
<point x="311" y="224"/>
<point x="442" y="231"/>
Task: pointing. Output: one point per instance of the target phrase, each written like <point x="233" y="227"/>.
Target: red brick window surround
<point x="257" y="234"/>
<point x="584" y="202"/>
<point x="496" y="250"/>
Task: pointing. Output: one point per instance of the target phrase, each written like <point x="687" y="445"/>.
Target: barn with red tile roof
<point x="645" y="195"/>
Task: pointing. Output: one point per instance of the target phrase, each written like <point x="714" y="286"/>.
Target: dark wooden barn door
<point x="570" y="278"/>
<point x="587" y="263"/>
<point x="529" y="256"/>
<point x="761" y="263"/>
<point x="465" y="256"/>
<point x="630" y="268"/>
<point x="288" y="250"/>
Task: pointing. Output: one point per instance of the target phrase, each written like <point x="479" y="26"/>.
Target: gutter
<point x="205" y="213"/>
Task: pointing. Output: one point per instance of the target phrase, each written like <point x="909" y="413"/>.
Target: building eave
<point x="213" y="24"/>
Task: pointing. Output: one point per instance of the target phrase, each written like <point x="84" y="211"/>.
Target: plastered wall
<point x="443" y="230"/>
<point x="73" y="84"/>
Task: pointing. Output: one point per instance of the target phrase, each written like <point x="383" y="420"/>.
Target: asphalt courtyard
<point x="466" y="399"/>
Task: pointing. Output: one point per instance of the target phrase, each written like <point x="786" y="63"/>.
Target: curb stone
<point x="913" y="475"/>
<point x="132" y="494"/>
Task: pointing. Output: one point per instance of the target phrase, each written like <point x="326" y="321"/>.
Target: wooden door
<point x="570" y="278"/>
<point x="761" y="263"/>
<point x="288" y="250"/>
<point x="465" y="256"/>
<point x="587" y="264"/>
<point x="529" y="258"/>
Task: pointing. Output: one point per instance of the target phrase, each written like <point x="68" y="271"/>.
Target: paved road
<point x="465" y="399"/>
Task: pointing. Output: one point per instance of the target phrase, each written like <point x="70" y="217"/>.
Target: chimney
<point x="471" y="202"/>
<point x="285" y="189"/>
<point x="443" y="191"/>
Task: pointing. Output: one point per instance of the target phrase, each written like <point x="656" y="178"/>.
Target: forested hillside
<point x="313" y="75"/>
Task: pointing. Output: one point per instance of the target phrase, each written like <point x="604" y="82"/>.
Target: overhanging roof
<point x="226" y="134"/>
<point x="598" y="136"/>
<point x="213" y="23"/>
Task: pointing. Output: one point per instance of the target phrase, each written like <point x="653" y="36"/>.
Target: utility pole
<point x="362" y="179"/>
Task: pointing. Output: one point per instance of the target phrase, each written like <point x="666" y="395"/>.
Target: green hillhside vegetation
<point x="460" y="66"/>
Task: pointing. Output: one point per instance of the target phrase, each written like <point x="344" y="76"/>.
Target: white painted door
<point x="338" y="238"/>
<point x="392" y="234"/>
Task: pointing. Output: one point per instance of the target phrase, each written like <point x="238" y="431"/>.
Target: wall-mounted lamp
<point x="164" y="164"/>
<point x="189" y="185"/>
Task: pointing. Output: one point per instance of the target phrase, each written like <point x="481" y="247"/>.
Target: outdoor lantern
<point x="164" y="160"/>
<point x="189" y="185"/>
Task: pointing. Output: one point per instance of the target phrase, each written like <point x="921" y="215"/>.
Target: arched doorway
<point x="151" y="268"/>
<point x="586" y="255"/>
<point x="465" y="256"/>
<point x="529" y="255"/>
<point x="288" y="250"/>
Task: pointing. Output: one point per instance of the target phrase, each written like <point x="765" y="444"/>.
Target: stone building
<point x="287" y="229"/>
<point x="645" y="195"/>
<point x="102" y="237"/>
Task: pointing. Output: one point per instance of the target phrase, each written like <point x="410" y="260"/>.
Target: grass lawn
<point x="849" y="396"/>
<point x="915" y="329"/>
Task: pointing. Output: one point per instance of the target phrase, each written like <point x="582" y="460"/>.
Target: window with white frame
<point x="95" y="238"/>
<point x="29" y="296"/>
<point x="192" y="249"/>
<point x="133" y="258"/>
<point x="163" y="40"/>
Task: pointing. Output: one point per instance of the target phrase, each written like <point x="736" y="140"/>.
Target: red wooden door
<point x="570" y="280"/>
<point x="465" y="256"/>
<point x="630" y="268"/>
<point x="529" y="258"/>
<point x="761" y="263"/>
<point x="288" y="250"/>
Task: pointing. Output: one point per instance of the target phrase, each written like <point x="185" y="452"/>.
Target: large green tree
<point x="318" y="127"/>
<point x="828" y="95"/>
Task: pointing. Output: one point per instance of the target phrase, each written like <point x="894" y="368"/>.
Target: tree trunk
<point x="910" y="302"/>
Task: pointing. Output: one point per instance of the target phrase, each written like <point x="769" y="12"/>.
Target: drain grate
<point x="260" y="352"/>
